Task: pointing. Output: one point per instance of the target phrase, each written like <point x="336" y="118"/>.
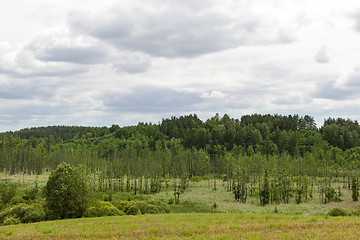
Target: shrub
<point x="120" y="204"/>
<point x="11" y="221"/>
<point x="147" y="208"/>
<point x="32" y="193"/>
<point x="7" y="192"/>
<point x="26" y="213"/>
<point x="163" y="208"/>
<point x="195" y="178"/>
<point x="101" y="209"/>
<point x="66" y="192"/>
<point x="337" y="211"/>
<point x="132" y="209"/>
<point x="18" y="200"/>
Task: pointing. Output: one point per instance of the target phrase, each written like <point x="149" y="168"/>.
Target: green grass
<point x="197" y="218"/>
<point x="191" y="226"/>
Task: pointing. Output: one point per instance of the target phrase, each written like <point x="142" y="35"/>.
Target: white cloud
<point x="322" y="56"/>
<point x="215" y="94"/>
<point x="125" y="61"/>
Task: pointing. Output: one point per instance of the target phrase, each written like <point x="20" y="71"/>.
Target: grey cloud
<point x="24" y="90"/>
<point x="175" y="29"/>
<point x="149" y="100"/>
<point x="356" y="17"/>
<point x="345" y="87"/>
<point x="288" y="100"/>
<point x="322" y="56"/>
<point x="18" y="72"/>
<point x="72" y="54"/>
<point x="132" y="63"/>
<point x="271" y="71"/>
<point x="83" y="51"/>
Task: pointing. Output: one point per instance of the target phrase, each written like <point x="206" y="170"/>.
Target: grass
<point x="202" y="214"/>
<point x="201" y="196"/>
<point x="191" y="226"/>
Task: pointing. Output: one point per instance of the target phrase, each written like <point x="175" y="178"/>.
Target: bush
<point x="337" y="211"/>
<point x="147" y="208"/>
<point x="195" y="178"/>
<point x="18" y="200"/>
<point x="26" y="213"/>
<point x="11" y="221"/>
<point x="7" y="192"/>
<point x="163" y="208"/>
<point x="66" y="192"/>
<point x="31" y="193"/>
<point x="101" y="209"/>
<point x="132" y="209"/>
<point x="120" y="205"/>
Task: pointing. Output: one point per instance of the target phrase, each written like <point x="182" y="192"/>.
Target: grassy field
<point x="202" y="214"/>
<point x="191" y="226"/>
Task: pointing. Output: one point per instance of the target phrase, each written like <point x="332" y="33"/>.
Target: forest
<point x="275" y="158"/>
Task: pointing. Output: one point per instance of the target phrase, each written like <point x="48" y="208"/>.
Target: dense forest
<point x="270" y="156"/>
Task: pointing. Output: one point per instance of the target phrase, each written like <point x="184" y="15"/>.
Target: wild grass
<point x="191" y="226"/>
<point x="202" y="194"/>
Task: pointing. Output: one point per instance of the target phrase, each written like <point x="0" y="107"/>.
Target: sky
<point x="98" y="63"/>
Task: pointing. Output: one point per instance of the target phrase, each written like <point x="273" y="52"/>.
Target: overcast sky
<point x="98" y="63"/>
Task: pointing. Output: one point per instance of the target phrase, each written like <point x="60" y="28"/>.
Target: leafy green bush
<point x="132" y="209"/>
<point x="31" y="193"/>
<point x="195" y="179"/>
<point x="337" y="211"/>
<point x="7" y="192"/>
<point x="26" y="213"/>
<point x="163" y="208"/>
<point x="120" y="204"/>
<point x="66" y="192"/>
<point x="147" y="208"/>
<point x="11" y="221"/>
<point x="18" y="200"/>
<point x="101" y="209"/>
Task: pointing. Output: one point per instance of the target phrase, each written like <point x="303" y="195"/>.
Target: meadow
<point x="201" y="214"/>
<point x="191" y="226"/>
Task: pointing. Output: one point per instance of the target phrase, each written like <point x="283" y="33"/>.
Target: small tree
<point x="355" y="190"/>
<point x="66" y="192"/>
<point x="265" y="190"/>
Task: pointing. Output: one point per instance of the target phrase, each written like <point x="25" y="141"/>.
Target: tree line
<point x="256" y="154"/>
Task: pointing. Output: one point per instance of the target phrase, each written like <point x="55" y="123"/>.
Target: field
<point x="191" y="226"/>
<point x="202" y="214"/>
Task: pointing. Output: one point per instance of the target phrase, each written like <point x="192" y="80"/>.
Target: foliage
<point x="7" y="192"/>
<point x="101" y="209"/>
<point x="355" y="189"/>
<point x="337" y="211"/>
<point x="265" y="190"/>
<point x="66" y="192"/>
<point x="26" y="213"/>
<point x="11" y="221"/>
<point x="132" y="209"/>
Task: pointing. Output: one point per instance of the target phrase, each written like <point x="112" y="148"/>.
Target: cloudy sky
<point x="98" y="63"/>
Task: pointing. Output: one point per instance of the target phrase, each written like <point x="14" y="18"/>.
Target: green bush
<point x="337" y="211"/>
<point x="120" y="204"/>
<point x="163" y="207"/>
<point x="26" y="213"/>
<point x="132" y="209"/>
<point x="67" y="192"/>
<point x="195" y="178"/>
<point x="31" y="193"/>
<point x="101" y="209"/>
<point x="7" y="192"/>
<point x="11" y="221"/>
<point x="147" y="208"/>
<point x="18" y="200"/>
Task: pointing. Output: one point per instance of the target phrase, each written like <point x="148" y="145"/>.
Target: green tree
<point x="66" y="192"/>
